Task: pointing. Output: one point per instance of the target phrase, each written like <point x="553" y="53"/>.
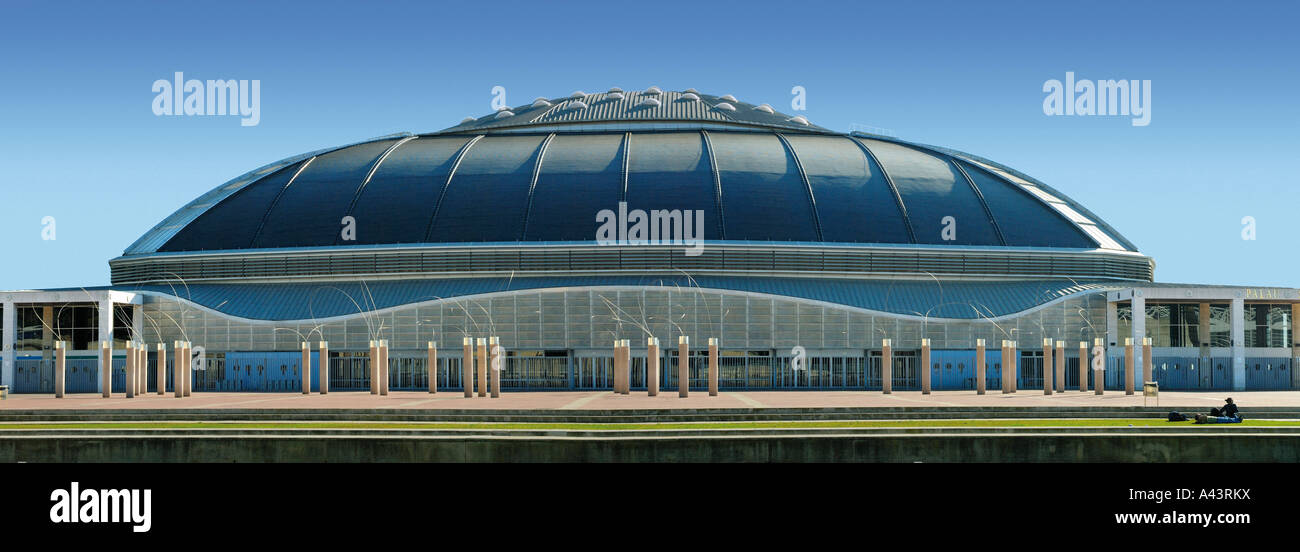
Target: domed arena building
<point x="565" y="224"/>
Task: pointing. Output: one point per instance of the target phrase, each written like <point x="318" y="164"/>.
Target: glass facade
<point x="1173" y="324"/>
<point x="1267" y="325"/>
<point x="1220" y="325"/>
<point x="592" y="319"/>
<point x="1264" y="325"/>
<point x="39" y="326"/>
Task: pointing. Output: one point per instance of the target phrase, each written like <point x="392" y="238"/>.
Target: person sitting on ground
<point x="1229" y="410"/>
<point x="1226" y="415"/>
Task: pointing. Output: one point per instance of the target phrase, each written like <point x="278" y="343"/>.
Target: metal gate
<point x="904" y="375"/>
<point x="538" y="371"/>
<point x="37" y="376"/>
<point x="1177" y="373"/>
<point x="1268" y="374"/>
<point x="1031" y="370"/>
<point x="349" y="372"/>
<point x="254" y="372"/>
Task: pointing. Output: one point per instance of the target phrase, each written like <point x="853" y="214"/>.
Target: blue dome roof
<point x="542" y="173"/>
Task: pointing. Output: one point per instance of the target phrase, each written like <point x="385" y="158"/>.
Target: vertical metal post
<point x="652" y="366"/>
<point x="713" y="366"/>
<point x="980" y="369"/>
<point x="925" y="366"/>
<point x="683" y="366"/>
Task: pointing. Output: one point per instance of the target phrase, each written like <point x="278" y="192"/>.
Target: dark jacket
<point x="1229" y="410"/>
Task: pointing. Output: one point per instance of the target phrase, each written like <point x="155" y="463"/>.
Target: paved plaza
<point x="605" y="400"/>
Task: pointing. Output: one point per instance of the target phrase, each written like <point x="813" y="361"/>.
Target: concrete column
<point x="652" y="367"/>
<point x="105" y="330"/>
<point x="1238" y="345"/>
<point x="980" y="368"/>
<point x="627" y="366"/>
<point x="467" y="366"/>
<point x="432" y="367"/>
<point x="626" y="346"/>
<point x="187" y="366"/>
<point x="1295" y="346"/>
<point x="1006" y="365"/>
<point x="1203" y="328"/>
<point x="1112" y="323"/>
<point x="683" y="366"/>
<point x="1128" y="366"/>
<point x="130" y="370"/>
<point x="887" y="366"/>
<point x="925" y="366"/>
<point x="1139" y="332"/>
<point x="1060" y="367"/>
<point x="8" y="335"/>
<point x="324" y="361"/>
<point x="713" y="366"/>
<point x="1147" y="363"/>
<point x="60" y="367"/>
<point x="374" y="367"/>
<point x="106" y="368"/>
<point x="383" y="367"/>
<point x="160" y="372"/>
<point x="1098" y="367"/>
<point x="141" y="367"/>
<point x="178" y="360"/>
<point x="618" y="367"/>
<point x="1012" y="383"/>
<point x="1047" y="366"/>
<point x="143" y="373"/>
<point x="496" y="363"/>
<point x="482" y="367"/>
<point x="137" y="327"/>
<point x="306" y="368"/>
<point x="1083" y="366"/>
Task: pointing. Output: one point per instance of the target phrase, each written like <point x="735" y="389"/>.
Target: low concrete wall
<point x="850" y="448"/>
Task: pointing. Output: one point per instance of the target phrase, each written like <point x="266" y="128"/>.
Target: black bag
<point x="1176" y="416"/>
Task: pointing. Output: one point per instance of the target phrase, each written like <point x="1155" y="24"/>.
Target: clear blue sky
<point x="78" y="139"/>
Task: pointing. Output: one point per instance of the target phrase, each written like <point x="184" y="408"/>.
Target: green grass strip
<point x="992" y="423"/>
